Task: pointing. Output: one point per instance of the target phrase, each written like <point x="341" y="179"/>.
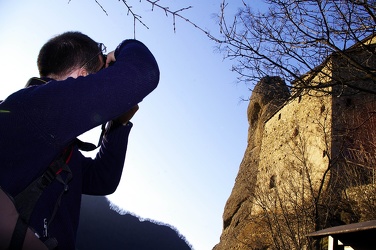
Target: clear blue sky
<point x="189" y="135"/>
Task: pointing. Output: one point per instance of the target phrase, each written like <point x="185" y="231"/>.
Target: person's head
<point x="70" y="54"/>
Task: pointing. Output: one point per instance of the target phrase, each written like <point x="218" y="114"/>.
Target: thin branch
<point x="100" y="7"/>
<point x="136" y="17"/>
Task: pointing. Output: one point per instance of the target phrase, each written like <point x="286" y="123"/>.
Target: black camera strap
<point x="26" y="200"/>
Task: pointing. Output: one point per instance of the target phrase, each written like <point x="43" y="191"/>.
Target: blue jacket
<point x="38" y="122"/>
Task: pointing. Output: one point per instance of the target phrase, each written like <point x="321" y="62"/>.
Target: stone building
<point x="310" y="159"/>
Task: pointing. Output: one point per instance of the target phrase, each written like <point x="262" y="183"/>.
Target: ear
<point x="82" y="72"/>
<point x="75" y="73"/>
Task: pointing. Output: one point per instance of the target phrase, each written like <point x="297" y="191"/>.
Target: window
<point x="322" y="109"/>
<point x="272" y="181"/>
<point x="296" y="132"/>
<point x="348" y="102"/>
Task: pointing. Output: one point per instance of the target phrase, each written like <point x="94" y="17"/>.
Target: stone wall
<point x="296" y="146"/>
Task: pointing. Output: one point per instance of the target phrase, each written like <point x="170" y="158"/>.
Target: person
<point x="79" y="88"/>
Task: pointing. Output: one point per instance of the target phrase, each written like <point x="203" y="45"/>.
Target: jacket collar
<point x="35" y="81"/>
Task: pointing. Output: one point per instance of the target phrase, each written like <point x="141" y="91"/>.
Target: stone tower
<point x="310" y="158"/>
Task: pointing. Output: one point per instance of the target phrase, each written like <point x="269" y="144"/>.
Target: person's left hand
<point x="124" y="118"/>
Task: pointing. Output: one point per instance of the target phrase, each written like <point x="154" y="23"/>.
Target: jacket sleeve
<point x="62" y="110"/>
<point x="101" y="175"/>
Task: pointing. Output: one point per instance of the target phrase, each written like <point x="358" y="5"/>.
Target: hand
<point x="124" y="118"/>
<point x="110" y="58"/>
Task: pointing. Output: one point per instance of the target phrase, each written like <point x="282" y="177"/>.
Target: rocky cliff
<point x="267" y="97"/>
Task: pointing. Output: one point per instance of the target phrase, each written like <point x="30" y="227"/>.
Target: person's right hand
<point x="110" y="58"/>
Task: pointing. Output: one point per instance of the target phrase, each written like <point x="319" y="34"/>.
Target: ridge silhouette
<point x="104" y="228"/>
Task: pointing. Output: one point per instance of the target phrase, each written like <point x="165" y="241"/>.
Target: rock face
<point x="267" y="97"/>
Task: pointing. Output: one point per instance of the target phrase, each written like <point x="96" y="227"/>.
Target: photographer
<point x="77" y="91"/>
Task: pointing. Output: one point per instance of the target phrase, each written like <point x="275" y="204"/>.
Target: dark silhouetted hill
<point x="103" y="228"/>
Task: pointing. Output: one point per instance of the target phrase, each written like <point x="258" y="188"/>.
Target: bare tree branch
<point x="296" y="37"/>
